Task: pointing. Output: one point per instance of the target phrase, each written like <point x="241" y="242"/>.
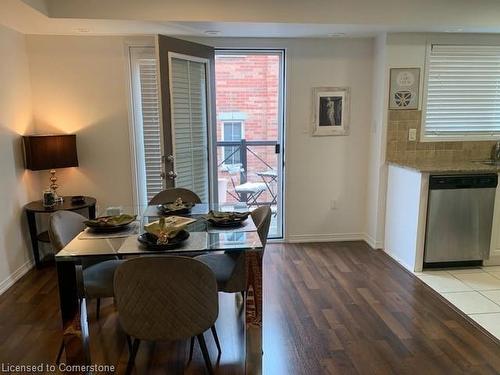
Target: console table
<point x="36" y="207"/>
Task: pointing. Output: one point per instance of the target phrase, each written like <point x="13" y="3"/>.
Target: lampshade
<point x="50" y="151"/>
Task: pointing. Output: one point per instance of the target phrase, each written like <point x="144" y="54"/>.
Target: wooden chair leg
<point x="133" y="353"/>
<point x="59" y="353"/>
<point x="191" y="347"/>
<point x="129" y="343"/>
<point x="98" y="308"/>
<point x="206" y="356"/>
<point x="216" y="338"/>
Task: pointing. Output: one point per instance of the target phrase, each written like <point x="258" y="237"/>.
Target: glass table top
<point x="203" y="237"/>
<point x="197" y="242"/>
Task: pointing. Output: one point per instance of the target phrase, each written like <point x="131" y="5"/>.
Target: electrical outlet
<point x="412" y="135"/>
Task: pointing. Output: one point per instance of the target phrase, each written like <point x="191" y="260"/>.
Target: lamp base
<point x="57" y="198"/>
<point x="54" y="186"/>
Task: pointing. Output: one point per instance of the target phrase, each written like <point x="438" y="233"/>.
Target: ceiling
<point x="256" y="18"/>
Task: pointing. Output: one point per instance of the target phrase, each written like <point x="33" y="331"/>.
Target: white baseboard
<point x="374" y="244"/>
<point x="296" y="238"/>
<point x="401" y="262"/>
<point x="16" y="275"/>
<point x="493" y="261"/>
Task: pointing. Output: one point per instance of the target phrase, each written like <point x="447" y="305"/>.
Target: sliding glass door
<point x="249" y="130"/>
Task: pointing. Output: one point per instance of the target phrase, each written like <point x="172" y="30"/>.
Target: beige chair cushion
<point x="97" y="272"/>
<point x="98" y="279"/>
<point x="63" y="227"/>
<point x="229" y="268"/>
<point x="165" y="297"/>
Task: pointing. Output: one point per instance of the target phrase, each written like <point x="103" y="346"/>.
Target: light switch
<point x="412" y="135"/>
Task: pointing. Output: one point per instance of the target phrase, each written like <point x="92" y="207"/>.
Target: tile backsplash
<point x="400" y="149"/>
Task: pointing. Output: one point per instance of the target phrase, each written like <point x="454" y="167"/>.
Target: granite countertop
<point x="448" y="166"/>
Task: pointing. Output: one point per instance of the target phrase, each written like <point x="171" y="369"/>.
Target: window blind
<point x="189" y="106"/>
<point x="150" y="108"/>
<point x="463" y="90"/>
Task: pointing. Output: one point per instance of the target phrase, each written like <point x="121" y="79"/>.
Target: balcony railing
<point x="245" y="149"/>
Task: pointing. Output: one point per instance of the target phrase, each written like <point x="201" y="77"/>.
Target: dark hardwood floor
<point x="328" y="309"/>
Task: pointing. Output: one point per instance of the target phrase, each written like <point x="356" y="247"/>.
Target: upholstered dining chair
<point x="170" y="195"/>
<point x="97" y="273"/>
<point x="229" y="268"/>
<point x="166" y="298"/>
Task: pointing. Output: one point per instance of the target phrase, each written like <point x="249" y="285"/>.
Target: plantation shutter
<point x="463" y="90"/>
<point x="150" y="107"/>
<point x="189" y="119"/>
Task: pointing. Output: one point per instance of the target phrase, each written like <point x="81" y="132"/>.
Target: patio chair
<point x="247" y="192"/>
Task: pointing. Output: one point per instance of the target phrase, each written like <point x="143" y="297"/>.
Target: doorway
<point x="210" y="121"/>
<point x="249" y="130"/>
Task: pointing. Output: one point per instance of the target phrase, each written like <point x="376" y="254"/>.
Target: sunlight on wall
<point x="59" y="122"/>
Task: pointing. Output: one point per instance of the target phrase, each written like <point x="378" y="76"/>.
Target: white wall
<point x="321" y="169"/>
<point x="17" y="186"/>
<point x="79" y="85"/>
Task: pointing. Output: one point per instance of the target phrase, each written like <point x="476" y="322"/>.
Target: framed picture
<point x="331" y="106"/>
<point x="404" y="88"/>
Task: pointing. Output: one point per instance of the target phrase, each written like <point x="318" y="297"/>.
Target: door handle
<point x="170" y="158"/>
<point x="172" y="175"/>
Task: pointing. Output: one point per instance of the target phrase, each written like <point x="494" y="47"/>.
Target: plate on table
<point x="226" y="219"/>
<point x="150" y="241"/>
<point x="175" y="208"/>
<point x="107" y="224"/>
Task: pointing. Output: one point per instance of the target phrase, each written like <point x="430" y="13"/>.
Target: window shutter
<point x="463" y="90"/>
<point x="190" y="126"/>
<point x="150" y="107"/>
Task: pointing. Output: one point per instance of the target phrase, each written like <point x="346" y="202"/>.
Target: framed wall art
<point x="331" y="106"/>
<point x="404" y="88"/>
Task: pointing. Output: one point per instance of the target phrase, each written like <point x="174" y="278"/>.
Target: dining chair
<point x="171" y="194"/>
<point x="166" y="298"/>
<point x="229" y="268"/>
<point x="97" y="273"/>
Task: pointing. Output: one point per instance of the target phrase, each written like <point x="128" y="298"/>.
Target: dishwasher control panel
<point x="463" y="181"/>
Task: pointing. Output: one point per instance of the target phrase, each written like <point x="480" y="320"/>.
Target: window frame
<point x="424" y="137"/>
<point x="223" y="135"/>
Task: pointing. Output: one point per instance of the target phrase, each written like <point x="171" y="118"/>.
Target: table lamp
<point x="48" y="152"/>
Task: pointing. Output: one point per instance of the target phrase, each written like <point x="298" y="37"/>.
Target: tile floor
<point x="475" y="291"/>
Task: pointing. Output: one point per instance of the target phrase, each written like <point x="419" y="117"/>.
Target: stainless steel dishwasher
<point x="459" y="219"/>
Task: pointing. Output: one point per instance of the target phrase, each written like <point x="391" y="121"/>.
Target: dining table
<point x="203" y="238"/>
